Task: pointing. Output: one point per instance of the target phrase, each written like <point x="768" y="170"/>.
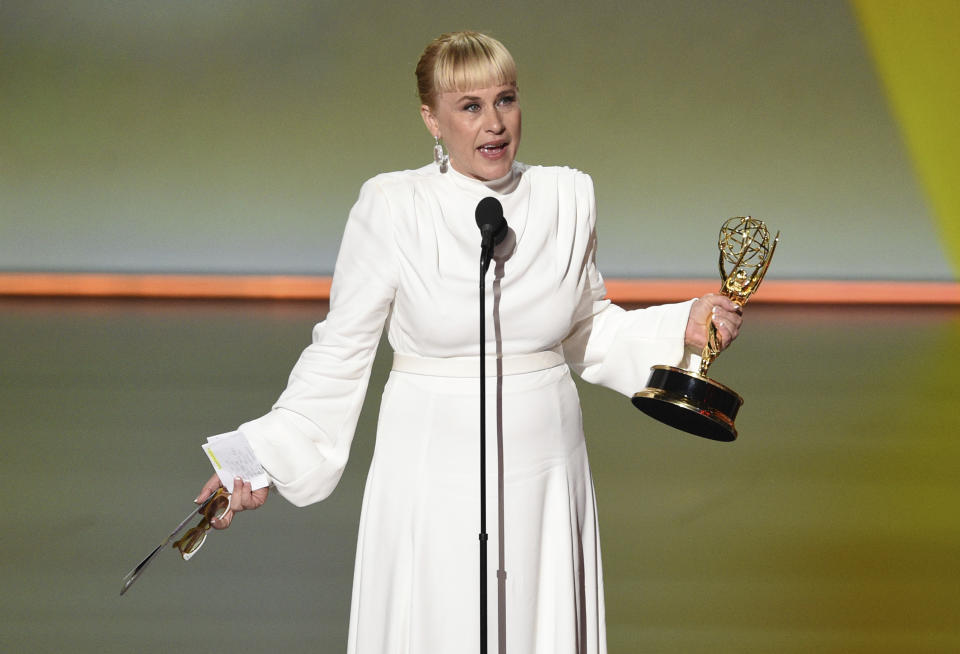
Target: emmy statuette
<point x="690" y="401"/>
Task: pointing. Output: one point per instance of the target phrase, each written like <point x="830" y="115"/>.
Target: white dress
<point x="410" y="259"/>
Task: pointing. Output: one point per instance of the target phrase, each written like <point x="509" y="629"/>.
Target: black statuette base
<point x="690" y="402"/>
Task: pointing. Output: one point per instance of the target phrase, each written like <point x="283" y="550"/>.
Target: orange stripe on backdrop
<point x="280" y="287"/>
<point x="304" y="287"/>
<point x="792" y="291"/>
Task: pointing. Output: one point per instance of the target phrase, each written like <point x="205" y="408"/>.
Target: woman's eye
<point x="473" y="106"/>
<point x="507" y="99"/>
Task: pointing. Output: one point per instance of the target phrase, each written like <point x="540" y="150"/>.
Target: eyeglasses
<point x="215" y="506"/>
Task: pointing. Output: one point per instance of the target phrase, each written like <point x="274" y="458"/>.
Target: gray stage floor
<point x="831" y="525"/>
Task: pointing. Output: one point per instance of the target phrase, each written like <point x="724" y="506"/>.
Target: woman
<point x="410" y="253"/>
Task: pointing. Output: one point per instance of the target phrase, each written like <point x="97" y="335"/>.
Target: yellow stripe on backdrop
<point x="917" y="53"/>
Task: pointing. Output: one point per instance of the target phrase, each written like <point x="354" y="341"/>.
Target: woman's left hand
<point x="726" y="315"/>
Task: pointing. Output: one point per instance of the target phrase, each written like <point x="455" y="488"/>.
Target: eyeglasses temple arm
<point x="132" y="576"/>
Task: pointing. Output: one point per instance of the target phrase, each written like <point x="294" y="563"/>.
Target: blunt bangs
<point x="461" y="61"/>
<point x="474" y="68"/>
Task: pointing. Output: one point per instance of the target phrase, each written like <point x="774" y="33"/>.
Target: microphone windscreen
<point x="489" y="212"/>
<point x="489" y="215"/>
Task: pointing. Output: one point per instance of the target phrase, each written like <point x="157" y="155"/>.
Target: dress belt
<point x="517" y="364"/>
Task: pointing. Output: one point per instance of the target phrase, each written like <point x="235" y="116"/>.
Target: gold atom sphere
<point x="744" y="241"/>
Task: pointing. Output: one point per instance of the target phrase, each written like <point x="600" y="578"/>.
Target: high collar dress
<point x="409" y="260"/>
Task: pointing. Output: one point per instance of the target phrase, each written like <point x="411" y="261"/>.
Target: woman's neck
<point x="501" y="185"/>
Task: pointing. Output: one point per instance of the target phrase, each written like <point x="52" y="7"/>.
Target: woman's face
<point x="480" y="129"/>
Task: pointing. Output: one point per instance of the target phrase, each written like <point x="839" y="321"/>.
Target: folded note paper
<point x="231" y="457"/>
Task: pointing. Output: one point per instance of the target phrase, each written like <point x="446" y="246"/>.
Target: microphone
<point x="493" y="227"/>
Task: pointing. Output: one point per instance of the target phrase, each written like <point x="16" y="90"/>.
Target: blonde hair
<point x="460" y="61"/>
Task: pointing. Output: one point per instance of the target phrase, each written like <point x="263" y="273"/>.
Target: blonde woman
<point x="408" y="260"/>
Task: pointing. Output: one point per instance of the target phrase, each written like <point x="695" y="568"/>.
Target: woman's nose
<point x="495" y="122"/>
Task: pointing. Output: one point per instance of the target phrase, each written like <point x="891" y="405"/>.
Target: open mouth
<point x="492" y="148"/>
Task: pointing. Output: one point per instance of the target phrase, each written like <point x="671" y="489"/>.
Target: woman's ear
<point x="430" y="121"/>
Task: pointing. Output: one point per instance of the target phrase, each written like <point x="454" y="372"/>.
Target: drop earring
<point x="439" y="157"/>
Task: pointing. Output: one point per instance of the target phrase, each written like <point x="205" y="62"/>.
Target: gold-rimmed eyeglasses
<point x="215" y="506"/>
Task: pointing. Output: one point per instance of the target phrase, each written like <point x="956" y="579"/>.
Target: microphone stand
<point x="484" y="265"/>
<point x="493" y="229"/>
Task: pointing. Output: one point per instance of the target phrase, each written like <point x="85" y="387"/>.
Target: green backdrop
<point x="214" y="136"/>
<point x="829" y="526"/>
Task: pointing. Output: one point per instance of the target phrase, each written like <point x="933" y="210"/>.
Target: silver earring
<point x="439" y="157"/>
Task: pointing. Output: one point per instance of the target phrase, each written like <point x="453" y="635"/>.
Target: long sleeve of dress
<point x="304" y="442"/>
<point x="609" y="345"/>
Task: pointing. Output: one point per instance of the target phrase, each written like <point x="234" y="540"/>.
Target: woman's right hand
<point x="242" y="498"/>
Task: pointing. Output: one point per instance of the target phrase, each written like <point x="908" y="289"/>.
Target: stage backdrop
<point x="212" y="136"/>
